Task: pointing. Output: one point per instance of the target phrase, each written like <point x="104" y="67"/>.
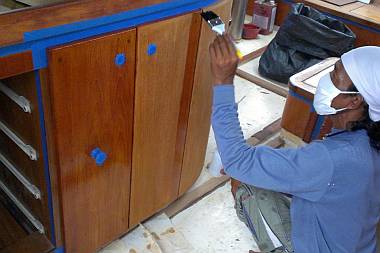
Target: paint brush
<point x="217" y="25"/>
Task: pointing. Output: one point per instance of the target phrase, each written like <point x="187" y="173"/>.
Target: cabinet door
<point x="201" y="101"/>
<point x="166" y="55"/>
<point x="91" y="94"/>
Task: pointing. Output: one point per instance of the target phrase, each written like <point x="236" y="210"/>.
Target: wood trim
<point x="13" y="25"/>
<point x="200" y="109"/>
<point x="53" y="160"/>
<point x="253" y="55"/>
<point x="34" y="243"/>
<point x="263" y="83"/>
<point x="15" y="64"/>
<point x="183" y="120"/>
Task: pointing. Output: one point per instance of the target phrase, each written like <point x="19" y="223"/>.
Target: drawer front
<point x="91" y="87"/>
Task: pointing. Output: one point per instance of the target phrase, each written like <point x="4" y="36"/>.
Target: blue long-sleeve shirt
<point x="335" y="183"/>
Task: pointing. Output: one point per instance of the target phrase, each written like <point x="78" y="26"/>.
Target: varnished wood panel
<point x="92" y="106"/>
<point x="53" y="161"/>
<point x="27" y="127"/>
<point x="159" y="89"/>
<point x="187" y="91"/>
<point x="10" y="231"/>
<point x="14" y="25"/>
<point x="200" y="109"/>
<point x="296" y="116"/>
<point x="283" y="9"/>
<point x="16" y="64"/>
<point x="365" y="37"/>
<point x="33" y="243"/>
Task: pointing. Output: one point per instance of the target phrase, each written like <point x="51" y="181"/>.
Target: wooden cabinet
<point x="162" y="91"/>
<point x="91" y="86"/>
<point x="127" y="117"/>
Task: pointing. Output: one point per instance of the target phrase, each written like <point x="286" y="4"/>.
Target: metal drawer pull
<point x="29" y="150"/>
<point x="36" y="223"/>
<point x="20" y="100"/>
<point x="28" y="185"/>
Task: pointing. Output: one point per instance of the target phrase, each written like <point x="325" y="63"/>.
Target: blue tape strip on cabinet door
<point x="39" y="40"/>
<point x="45" y="155"/>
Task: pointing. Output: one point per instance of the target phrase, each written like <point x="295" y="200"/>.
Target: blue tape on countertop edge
<point x="345" y="20"/>
<point x="45" y="155"/>
<point x="39" y="40"/>
<point x="304" y="99"/>
<point x="317" y="127"/>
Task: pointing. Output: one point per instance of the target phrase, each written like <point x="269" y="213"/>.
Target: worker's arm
<point x="304" y="172"/>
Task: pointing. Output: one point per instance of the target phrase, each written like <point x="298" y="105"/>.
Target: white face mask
<point x="326" y="92"/>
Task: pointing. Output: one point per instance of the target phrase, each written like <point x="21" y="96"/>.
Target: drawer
<point x="37" y="207"/>
<point x="25" y="125"/>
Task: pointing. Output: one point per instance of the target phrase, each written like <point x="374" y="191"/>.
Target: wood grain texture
<point x="92" y="105"/>
<point x="16" y="64"/>
<point x="200" y="108"/>
<point x="10" y="231"/>
<point x="187" y="93"/>
<point x="296" y="116"/>
<point x="53" y="161"/>
<point x="159" y="88"/>
<point x="27" y="127"/>
<point x="14" y="25"/>
<point x="33" y="243"/>
<point x="283" y="9"/>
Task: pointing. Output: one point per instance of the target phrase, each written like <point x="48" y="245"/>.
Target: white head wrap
<point x="363" y="67"/>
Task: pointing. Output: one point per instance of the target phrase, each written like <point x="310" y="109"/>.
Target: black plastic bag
<point x="305" y="38"/>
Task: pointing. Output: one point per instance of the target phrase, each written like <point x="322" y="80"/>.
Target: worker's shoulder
<point x="350" y="144"/>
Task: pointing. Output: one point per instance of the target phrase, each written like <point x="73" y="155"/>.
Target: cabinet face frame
<point x="91" y="95"/>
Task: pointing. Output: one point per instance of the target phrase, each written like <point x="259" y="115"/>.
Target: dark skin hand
<point x="224" y="60"/>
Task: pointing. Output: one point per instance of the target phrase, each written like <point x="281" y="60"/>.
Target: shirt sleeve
<point x="304" y="172"/>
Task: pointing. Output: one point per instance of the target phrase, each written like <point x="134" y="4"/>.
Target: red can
<point x="264" y="14"/>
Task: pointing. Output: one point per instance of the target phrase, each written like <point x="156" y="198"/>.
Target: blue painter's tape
<point x="288" y="1"/>
<point x="300" y="97"/>
<point x="120" y="59"/>
<point x="45" y="155"/>
<point x="101" y="158"/>
<point x="13" y="49"/>
<point x="59" y="250"/>
<point x="38" y="41"/>
<point x="152" y="49"/>
<point x="317" y="127"/>
<point x="347" y="21"/>
<point x="95" y="152"/>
